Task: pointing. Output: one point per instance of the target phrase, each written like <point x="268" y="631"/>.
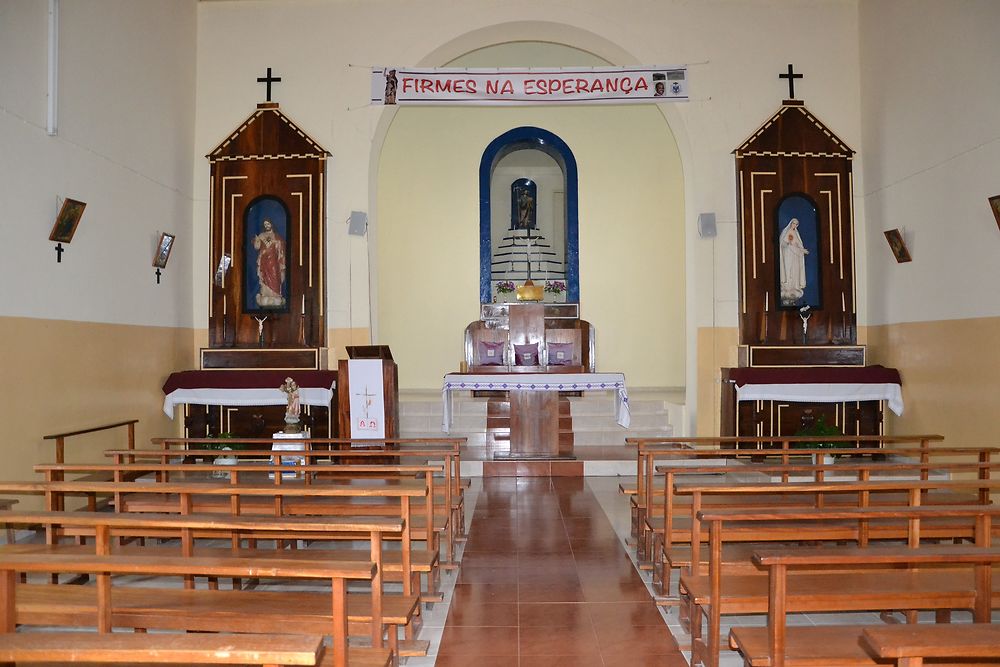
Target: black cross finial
<point x="791" y="76"/>
<point x="157" y="276"/>
<point x="59" y="252"/>
<point x="275" y="79"/>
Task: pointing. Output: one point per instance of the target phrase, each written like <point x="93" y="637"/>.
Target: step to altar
<point x="598" y="441"/>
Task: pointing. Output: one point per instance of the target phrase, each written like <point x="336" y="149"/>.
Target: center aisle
<point x="546" y="581"/>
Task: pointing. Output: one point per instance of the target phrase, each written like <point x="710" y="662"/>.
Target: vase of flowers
<point x="505" y="290"/>
<point x="556" y="288"/>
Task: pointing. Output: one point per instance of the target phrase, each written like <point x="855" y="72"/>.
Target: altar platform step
<point x="599" y="443"/>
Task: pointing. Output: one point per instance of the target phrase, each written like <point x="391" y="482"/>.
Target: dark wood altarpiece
<point x="267" y="261"/>
<point x="794" y="168"/>
<point x="794" y="155"/>
<point x="267" y="168"/>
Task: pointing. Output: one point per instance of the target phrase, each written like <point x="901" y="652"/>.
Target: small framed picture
<point x="898" y="246"/>
<point x="995" y="205"/>
<point x="163" y="249"/>
<point x="67" y="221"/>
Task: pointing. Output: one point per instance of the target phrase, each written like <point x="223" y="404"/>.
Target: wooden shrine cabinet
<point x="267" y="253"/>
<point x="797" y="292"/>
<point x="267" y="285"/>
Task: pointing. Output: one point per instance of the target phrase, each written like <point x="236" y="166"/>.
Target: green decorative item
<point x="819" y="428"/>
<point x="225" y="441"/>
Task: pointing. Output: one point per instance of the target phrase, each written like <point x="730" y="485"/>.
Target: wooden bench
<point x="106" y="606"/>
<point x="643" y="502"/>
<point x="445" y="450"/>
<point x="422" y="561"/>
<point x="651" y="450"/>
<point x="928" y="586"/>
<point x="670" y="534"/>
<point x="268" y="650"/>
<point x="717" y="593"/>
<point x="909" y="645"/>
<point x="108" y="529"/>
<point x="263" y="500"/>
<point x="883" y="493"/>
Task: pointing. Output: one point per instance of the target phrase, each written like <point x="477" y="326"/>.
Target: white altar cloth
<point x="892" y="394"/>
<point x="537" y="382"/>
<point x="317" y="396"/>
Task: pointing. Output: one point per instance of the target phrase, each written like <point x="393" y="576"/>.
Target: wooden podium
<point x="390" y="392"/>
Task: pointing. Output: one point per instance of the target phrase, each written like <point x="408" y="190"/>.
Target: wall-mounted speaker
<point x="357" y="224"/>
<point x="706" y="225"/>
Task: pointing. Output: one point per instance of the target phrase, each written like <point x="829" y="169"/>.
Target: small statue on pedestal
<point x="293" y="410"/>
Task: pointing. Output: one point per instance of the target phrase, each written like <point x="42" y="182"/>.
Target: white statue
<point x="792" y="262"/>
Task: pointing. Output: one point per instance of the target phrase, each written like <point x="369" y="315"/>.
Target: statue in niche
<point x="792" y="264"/>
<point x="522" y="210"/>
<point x="266" y="269"/>
<point x="270" y="247"/>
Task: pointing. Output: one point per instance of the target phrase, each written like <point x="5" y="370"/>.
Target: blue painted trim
<point x="521" y="138"/>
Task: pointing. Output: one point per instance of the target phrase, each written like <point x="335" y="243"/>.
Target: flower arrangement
<point x="506" y="287"/>
<point x="555" y="286"/>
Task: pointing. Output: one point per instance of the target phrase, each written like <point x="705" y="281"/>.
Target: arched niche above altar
<point x="528" y="214"/>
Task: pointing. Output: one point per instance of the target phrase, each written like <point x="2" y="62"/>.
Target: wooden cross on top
<point x="275" y="79"/>
<point x="791" y="76"/>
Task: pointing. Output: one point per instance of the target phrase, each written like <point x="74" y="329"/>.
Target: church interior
<point x="205" y="191"/>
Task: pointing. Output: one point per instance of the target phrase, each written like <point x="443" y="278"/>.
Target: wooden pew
<point x="669" y="535"/>
<point x="181" y="609"/>
<point x="649" y="450"/>
<point x="909" y="645"/>
<point x="780" y="646"/>
<point x="59" y="648"/>
<point x="419" y="450"/>
<point x="422" y="561"/>
<point x="717" y="594"/>
<point x="444" y="449"/>
<point x="108" y="529"/>
<point x="261" y="500"/>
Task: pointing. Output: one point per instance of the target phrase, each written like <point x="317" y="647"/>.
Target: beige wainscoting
<point x="951" y="377"/>
<point x="62" y="376"/>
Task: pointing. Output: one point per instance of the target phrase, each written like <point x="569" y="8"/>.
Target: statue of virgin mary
<point x="792" y="259"/>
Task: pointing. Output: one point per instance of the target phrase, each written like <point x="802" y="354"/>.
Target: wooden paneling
<point x="268" y="156"/>
<point x="794" y="154"/>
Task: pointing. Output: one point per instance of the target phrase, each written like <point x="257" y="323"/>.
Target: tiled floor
<point x="546" y="580"/>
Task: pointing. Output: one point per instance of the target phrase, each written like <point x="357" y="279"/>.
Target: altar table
<point x="820" y="385"/>
<point x="246" y="388"/>
<point x="537" y="382"/>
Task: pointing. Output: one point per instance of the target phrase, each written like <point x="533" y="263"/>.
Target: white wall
<point x="126" y="124"/>
<point x="930" y="104"/>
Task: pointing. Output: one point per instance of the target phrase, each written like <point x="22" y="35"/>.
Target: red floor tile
<point x="545" y="582"/>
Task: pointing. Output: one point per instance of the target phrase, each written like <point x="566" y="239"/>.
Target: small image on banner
<point x="364" y="381"/>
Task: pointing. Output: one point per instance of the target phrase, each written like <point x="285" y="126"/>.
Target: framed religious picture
<point x="995" y="206"/>
<point x="266" y="255"/>
<point x="67" y="221"/>
<point x="898" y="246"/>
<point x="163" y="249"/>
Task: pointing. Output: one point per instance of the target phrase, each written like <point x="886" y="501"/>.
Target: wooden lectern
<point x="390" y="392"/>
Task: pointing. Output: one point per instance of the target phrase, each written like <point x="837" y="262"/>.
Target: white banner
<point x="590" y="85"/>
<point x="364" y="380"/>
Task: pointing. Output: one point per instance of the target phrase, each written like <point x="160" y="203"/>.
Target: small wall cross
<point x="275" y="79"/>
<point x="790" y="75"/>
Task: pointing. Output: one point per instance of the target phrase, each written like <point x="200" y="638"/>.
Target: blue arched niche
<point x="522" y="138"/>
